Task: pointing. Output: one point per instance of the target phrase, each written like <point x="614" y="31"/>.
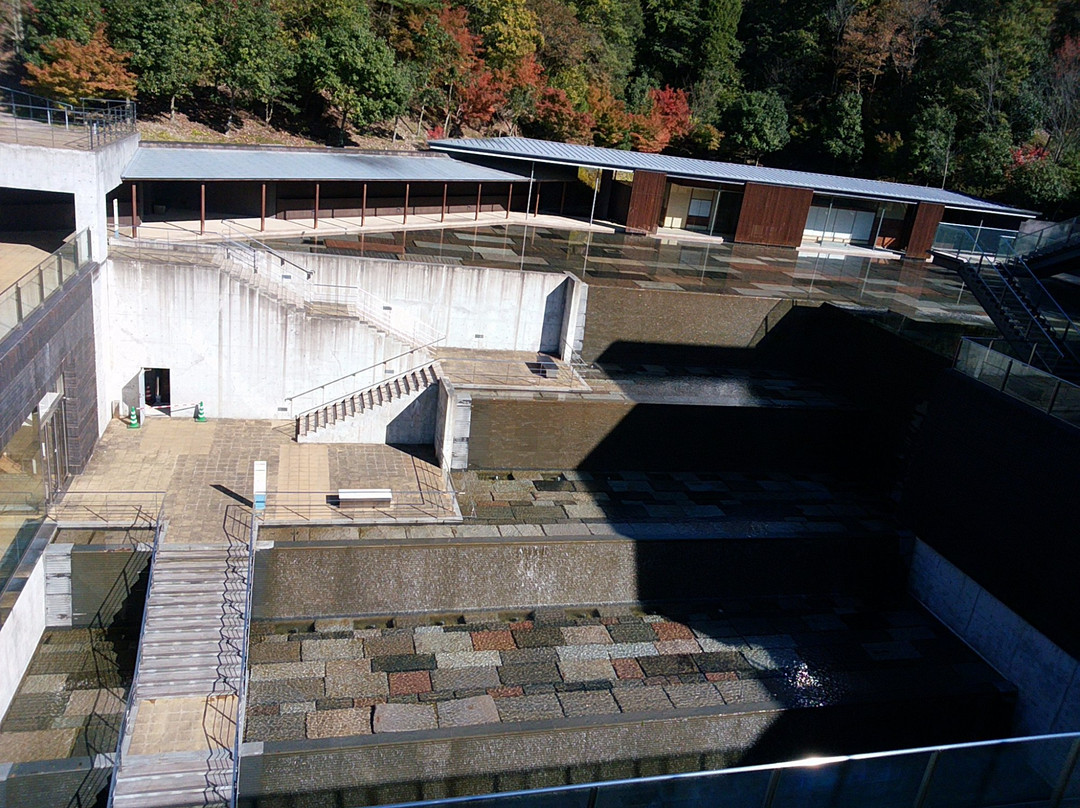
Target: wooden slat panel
<point x="773" y="215"/>
<point x="922" y="230"/>
<point x="646" y="199"/>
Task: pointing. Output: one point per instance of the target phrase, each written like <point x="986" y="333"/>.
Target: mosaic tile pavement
<point x="356" y="676"/>
<point x="70" y="701"/>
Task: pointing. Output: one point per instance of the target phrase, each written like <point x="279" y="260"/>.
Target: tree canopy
<point x="981" y="96"/>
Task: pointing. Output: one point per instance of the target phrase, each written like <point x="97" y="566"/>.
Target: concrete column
<point x="134" y="212"/>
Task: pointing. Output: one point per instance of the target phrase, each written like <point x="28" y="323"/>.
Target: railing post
<point x="1005" y="378"/>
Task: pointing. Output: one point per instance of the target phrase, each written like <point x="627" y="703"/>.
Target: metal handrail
<point x="159" y="531"/>
<point x="1056" y="235"/>
<point x="1017" y="276"/>
<point x="241" y="697"/>
<point x="360" y="391"/>
<point x="104" y="120"/>
<point x="372" y="366"/>
<point x="290" y="507"/>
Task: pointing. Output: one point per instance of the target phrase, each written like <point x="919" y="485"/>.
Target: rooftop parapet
<point x="33" y="120"/>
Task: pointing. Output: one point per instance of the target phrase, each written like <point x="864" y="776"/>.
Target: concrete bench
<point x="364" y="496"/>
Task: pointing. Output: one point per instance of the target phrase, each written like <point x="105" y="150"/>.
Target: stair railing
<point x="159" y="531"/>
<point x="1060" y="336"/>
<point x="300" y="403"/>
<point x="1052" y="236"/>
<point x="360" y="391"/>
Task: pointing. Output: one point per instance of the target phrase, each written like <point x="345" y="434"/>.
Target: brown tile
<point x="505" y="692"/>
<point x="672" y="631"/>
<point x="627" y="669"/>
<point x="493" y="641"/>
<point x="409" y="682"/>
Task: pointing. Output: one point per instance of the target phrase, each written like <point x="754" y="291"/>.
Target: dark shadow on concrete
<point x="232" y="494"/>
<point x="555" y="309"/>
<point x="416" y="423"/>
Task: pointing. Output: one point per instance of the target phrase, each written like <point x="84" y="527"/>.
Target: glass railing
<point x="1038" y="771"/>
<point x="1050" y="237"/>
<point x="29" y="292"/>
<point x="1006" y="269"/>
<point x="981" y="360"/>
<point x="964" y="240"/>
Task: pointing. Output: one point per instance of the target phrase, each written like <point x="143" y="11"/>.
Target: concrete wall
<point x="21" y="633"/>
<point x="453" y="422"/>
<point x="508" y="309"/>
<point x="992" y="488"/>
<point x="620" y="321"/>
<point x="239" y="351"/>
<point x="1047" y="677"/>
<point x="242" y="352"/>
<point x="89" y="175"/>
<point x="384" y="578"/>
<point x="590" y="434"/>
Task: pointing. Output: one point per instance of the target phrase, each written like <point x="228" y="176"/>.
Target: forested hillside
<point x="979" y="95"/>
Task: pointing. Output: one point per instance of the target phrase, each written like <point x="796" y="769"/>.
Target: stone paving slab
<point x="566" y="663"/>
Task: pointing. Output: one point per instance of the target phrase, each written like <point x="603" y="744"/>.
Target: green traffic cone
<point x="200" y="413"/>
<point x="133" y="418"/>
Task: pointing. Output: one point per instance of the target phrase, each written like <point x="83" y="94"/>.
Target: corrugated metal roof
<point x="216" y="163"/>
<point x="687" y="168"/>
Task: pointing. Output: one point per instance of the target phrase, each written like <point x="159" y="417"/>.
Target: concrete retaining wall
<point x="306" y="581"/>
<point x="590" y="434"/>
<point x="239" y="351"/>
<point x="21" y="633"/>
<point x="623" y="323"/>
<point x="474" y="307"/>
<point x="1047" y="677"/>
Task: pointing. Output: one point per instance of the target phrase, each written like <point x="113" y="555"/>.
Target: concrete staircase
<point x="406" y="384"/>
<point x="192" y="648"/>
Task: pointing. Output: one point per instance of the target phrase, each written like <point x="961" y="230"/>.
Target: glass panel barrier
<point x="888" y="781"/>
<point x="9" y="314"/>
<point x="1066" y="404"/>
<point x="1023" y="773"/>
<point x="50" y="276"/>
<point x="30" y="292"/>
<point x="1031" y="385"/>
<point x="742" y="790"/>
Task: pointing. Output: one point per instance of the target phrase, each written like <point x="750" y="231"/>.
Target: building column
<point x="316" y="225"/>
<point x="202" y="209"/>
<point x="134" y="213"/>
<point x="479" y="188"/>
<point x="262" y="210"/>
<point x="405" y="210"/>
<point x="363" y="206"/>
<point x="443" y="217"/>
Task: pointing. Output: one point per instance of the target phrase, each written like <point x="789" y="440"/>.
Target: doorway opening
<point x="156" y="386"/>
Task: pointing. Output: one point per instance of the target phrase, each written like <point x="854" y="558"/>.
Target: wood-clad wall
<point x="646" y="200"/>
<point x="773" y="215"/>
<point x="921" y="229"/>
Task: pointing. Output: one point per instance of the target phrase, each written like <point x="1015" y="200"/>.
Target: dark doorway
<point x="156" y="384"/>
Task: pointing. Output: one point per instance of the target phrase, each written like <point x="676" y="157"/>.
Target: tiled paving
<point x="347" y="677"/>
<point x="70" y="701"/>
<point x="204" y="467"/>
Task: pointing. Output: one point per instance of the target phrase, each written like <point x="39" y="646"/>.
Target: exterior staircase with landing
<point x="192" y="658"/>
<point x="406" y="385"/>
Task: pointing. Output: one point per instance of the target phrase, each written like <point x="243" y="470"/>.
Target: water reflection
<point x="913" y="288"/>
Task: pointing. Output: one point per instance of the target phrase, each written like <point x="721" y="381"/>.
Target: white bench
<point x="364" y="496"/>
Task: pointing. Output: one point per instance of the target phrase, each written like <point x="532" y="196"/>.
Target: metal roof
<point x="231" y="163"/>
<point x="547" y="151"/>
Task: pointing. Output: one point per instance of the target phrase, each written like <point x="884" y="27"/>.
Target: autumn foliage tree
<point x="72" y="70"/>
